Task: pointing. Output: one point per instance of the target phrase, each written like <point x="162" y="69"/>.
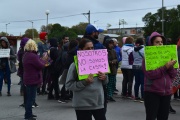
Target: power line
<point x="91" y="13"/>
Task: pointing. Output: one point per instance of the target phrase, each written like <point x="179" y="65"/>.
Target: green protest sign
<point x="82" y="77"/>
<point x="157" y="56"/>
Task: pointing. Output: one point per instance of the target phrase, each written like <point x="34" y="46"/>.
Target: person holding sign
<point x="88" y="94"/>
<point x="7" y="64"/>
<point x="157" y="84"/>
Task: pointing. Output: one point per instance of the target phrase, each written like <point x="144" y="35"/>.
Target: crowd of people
<point x="45" y="65"/>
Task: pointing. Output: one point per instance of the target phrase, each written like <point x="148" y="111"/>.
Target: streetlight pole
<point x="163" y="17"/>
<point x="6" y="28"/>
<point x="32" y="29"/>
<point x="119" y="26"/>
<point x="47" y="13"/>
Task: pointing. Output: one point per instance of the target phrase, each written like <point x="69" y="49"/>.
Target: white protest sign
<point x="4" y="53"/>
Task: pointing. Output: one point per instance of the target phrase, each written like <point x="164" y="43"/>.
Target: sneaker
<point x="137" y="99"/>
<point x="171" y="110"/>
<point x="22" y="105"/>
<point x="141" y="100"/>
<point x="111" y="99"/>
<point x="36" y="105"/>
<point x="116" y="90"/>
<point x="8" y="94"/>
<point x="115" y="93"/>
<point x="62" y="101"/>
<point x="130" y="96"/>
<point x="34" y="116"/>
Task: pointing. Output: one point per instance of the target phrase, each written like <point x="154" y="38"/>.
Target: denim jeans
<point x="5" y="73"/>
<point x="139" y="80"/>
<point x="30" y="96"/>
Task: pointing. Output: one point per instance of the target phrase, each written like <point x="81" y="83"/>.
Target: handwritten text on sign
<point x="92" y="61"/>
<point x="4" y="53"/>
<point x="157" y="56"/>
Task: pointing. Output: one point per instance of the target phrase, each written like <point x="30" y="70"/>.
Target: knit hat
<point x="42" y="35"/>
<point x="93" y="28"/>
<point x="24" y="41"/>
<point x="156" y="34"/>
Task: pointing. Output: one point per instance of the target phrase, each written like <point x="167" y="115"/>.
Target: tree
<point x="29" y="33"/>
<point x="80" y="28"/>
<point x="108" y="26"/>
<point x="44" y="28"/>
<point x="153" y="22"/>
<point x="3" y="34"/>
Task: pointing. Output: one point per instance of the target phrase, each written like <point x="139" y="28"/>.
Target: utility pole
<point x="119" y="26"/>
<point x="136" y="28"/>
<point x="163" y="17"/>
<point x="88" y="16"/>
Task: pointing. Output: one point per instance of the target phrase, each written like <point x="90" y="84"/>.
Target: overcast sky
<point x="22" y="10"/>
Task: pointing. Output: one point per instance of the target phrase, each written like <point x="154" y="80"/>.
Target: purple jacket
<point x="159" y="80"/>
<point x="32" y="66"/>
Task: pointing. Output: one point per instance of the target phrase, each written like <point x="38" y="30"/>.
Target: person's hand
<point x="101" y="76"/>
<point x="171" y="63"/>
<point x="45" y="58"/>
<point x="90" y="79"/>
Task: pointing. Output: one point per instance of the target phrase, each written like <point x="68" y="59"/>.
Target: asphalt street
<point x="122" y="109"/>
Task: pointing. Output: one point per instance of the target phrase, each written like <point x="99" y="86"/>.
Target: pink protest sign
<point x="92" y="61"/>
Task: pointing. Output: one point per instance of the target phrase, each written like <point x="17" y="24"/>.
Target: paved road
<point x="52" y="110"/>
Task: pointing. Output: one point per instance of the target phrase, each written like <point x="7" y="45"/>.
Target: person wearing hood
<point x="126" y="68"/>
<point x="112" y="59"/>
<point x="7" y="65"/>
<point x="138" y="55"/>
<point x="54" y="53"/>
<point x="20" y="68"/>
<point x="157" y="84"/>
<point x="43" y="47"/>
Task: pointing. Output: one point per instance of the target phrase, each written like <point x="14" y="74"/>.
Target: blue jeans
<point x="31" y="93"/>
<point x="139" y="80"/>
<point x="5" y="73"/>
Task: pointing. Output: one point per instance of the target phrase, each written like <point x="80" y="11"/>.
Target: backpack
<point x="130" y="57"/>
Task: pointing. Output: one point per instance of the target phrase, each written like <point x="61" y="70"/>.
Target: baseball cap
<point x="93" y="28"/>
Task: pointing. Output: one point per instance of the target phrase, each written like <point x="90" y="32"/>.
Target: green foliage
<point x="3" y="33"/>
<point x="80" y="28"/>
<point x="59" y="31"/>
<point x="153" y="22"/>
<point x="29" y="33"/>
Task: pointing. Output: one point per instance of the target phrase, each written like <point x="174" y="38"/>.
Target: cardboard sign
<point x="4" y="53"/>
<point x="157" y="56"/>
<point x="92" y="61"/>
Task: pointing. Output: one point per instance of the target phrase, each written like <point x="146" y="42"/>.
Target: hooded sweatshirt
<point x="138" y="55"/>
<point x="126" y="51"/>
<point x="159" y="80"/>
<point x="85" y="96"/>
<point x="12" y="59"/>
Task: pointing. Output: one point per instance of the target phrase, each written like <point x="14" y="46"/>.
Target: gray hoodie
<point x="12" y="56"/>
<point x="85" y="96"/>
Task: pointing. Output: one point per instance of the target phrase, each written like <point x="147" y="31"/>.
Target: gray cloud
<point x="18" y="10"/>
